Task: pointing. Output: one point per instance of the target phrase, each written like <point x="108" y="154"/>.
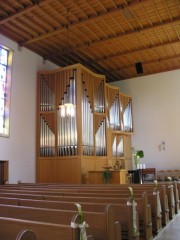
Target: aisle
<point x="171" y="231"/>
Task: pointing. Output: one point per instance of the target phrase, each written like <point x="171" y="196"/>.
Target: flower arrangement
<point x="137" y="154"/>
<point x="83" y="225"/>
<point x="133" y="204"/>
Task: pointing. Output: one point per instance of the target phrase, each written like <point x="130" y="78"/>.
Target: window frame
<point x="6" y="116"/>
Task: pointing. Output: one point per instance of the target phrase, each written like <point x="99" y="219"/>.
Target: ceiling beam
<point x="118" y="35"/>
<point x="160" y="60"/>
<point x="121" y="54"/>
<point x="118" y="8"/>
<point x="18" y="13"/>
<point x="93" y="66"/>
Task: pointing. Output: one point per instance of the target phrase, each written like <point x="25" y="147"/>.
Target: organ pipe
<point x="87" y="124"/>
<point x="103" y="108"/>
<point x="67" y="127"/>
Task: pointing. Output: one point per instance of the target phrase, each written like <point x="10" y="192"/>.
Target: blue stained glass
<point x="5" y="63"/>
<point x="2" y="73"/>
<point x="3" y="56"/>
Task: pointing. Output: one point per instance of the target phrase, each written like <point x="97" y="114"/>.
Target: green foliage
<point x="106" y="176"/>
<point x="140" y="154"/>
<point x="137" y="154"/>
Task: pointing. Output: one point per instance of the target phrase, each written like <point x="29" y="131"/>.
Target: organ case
<point x="94" y="131"/>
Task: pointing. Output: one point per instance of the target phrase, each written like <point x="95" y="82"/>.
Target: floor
<point x="171" y="231"/>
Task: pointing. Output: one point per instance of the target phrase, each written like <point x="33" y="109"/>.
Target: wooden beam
<point x="160" y="60"/>
<point x="25" y="10"/>
<point x="118" y="8"/>
<point x="118" y="35"/>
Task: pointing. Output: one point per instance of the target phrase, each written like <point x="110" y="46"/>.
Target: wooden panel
<point x="46" y="170"/>
<point x="118" y="177"/>
<point x="4" y="172"/>
<point x="91" y="163"/>
<point x="68" y="170"/>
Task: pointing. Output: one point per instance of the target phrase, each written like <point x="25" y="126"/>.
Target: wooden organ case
<point x="98" y="132"/>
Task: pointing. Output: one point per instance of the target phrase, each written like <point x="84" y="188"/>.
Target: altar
<point x="118" y="177"/>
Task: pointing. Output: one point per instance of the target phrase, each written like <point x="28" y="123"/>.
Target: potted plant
<point x="106" y="176"/>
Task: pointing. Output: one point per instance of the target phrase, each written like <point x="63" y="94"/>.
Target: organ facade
<point x="83" y="124"/>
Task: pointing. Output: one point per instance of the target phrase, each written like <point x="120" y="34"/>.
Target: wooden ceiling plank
<point x="47" y="15"/>
<point x="7" y="6"/>
<point x="157" y="13"/>
<point x="129" y="33"/>
<point x="23" y="28"/>
<point x="149" y="62"/>
<point x="109" y="11"/>
<point x="25" y="10"/>
<point x="32" y="24"/>
<point x="168" y="10"/>
<point x="136" y="50"/>
<point x="104" y="35"/>
<point x="16" y="31"/>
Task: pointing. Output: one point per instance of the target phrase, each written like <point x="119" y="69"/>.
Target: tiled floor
<point x="171" y="231"/>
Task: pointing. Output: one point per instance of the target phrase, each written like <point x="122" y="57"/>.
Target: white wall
<point x="156" y="111"/>
<point x="19" y="148"/>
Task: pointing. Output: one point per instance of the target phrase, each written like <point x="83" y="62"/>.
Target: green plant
<point x="106" y="176"/>
<point x="137" y="154"/>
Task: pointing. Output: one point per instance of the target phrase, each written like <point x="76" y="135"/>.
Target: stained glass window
<point x="5" y="83"/>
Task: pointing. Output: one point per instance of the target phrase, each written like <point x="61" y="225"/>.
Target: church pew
<point x="26" y="235"/>
<point x="144" y="210"/>
<point x="157" y="223"/>
<point x="102" y="224"/>
<point x="154" y="212"/>
<point x="10" y="227"/>
<point x="152" y="199"/>
<point x="123" y="214"/>
<point x="95" y="188"/>
<point x="176" y="193"/>
<point x="144" y="215"/>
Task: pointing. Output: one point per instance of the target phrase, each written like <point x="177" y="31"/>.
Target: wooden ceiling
<point x="107" y="36"/>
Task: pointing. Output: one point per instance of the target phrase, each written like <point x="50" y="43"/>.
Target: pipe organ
<point x="83" y="123"/>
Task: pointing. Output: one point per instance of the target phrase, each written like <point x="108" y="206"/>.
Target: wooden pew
<point x="144" y="216"/>
<point x="157" y="224"/>
<point x="152" y="200"/>
<point x="102" y="224"/>
<point x="49" y="188"/>
<point x="104" y="192"/>
<point x="144" y="210"/>
<point x="10" y="227"/>
<point x="156" y="218"/>
<point x="26" y="235"/>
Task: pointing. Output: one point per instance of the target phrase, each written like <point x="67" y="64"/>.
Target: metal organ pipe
<point x="87" y="124"/>
<point x="47" y="136"/>
<point x="99" y="98"/>
<point x="101" y="139"/>
<point x="67" y="127"/>
<point x="114" y="115"/>
<point x="127" y="117"/>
